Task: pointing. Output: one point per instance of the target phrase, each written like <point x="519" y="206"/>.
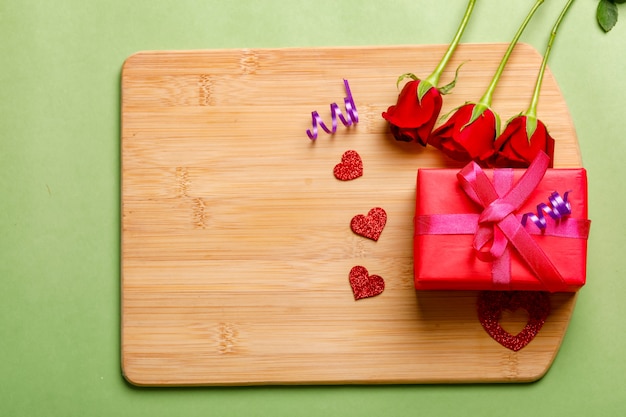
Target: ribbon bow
<point x="498" y="226"/>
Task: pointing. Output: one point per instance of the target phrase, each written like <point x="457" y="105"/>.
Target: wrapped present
<point x="501" y="229"/>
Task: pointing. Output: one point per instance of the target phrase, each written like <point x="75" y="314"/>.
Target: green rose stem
<point x="485" y="101"/>
<point x="531" y="113"/>
<point x="433" y="79"/>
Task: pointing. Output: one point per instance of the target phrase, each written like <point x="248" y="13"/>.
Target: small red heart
<point x="365" y="285"/>
<point x="492" y="303"/>
<point x="370" y="226"/>
<point x="350" y="167"/>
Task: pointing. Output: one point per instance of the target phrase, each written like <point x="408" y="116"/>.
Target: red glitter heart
<point x="492" y="303"/>
<point x="365" y="285"/>
<point x="350" y="167"/>
<point x="370" y="226"/>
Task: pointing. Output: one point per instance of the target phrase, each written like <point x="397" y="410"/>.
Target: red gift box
<point x="469" y="233"/>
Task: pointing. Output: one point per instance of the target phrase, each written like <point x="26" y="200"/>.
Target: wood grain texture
<point x="236" y="245"/>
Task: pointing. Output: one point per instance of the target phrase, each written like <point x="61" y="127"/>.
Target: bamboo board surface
<point x="236" y="245"/>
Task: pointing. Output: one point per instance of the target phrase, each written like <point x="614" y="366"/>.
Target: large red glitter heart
<point x="350" y="167"/>
<point x="365" y="285"/>
<point x="492" y="303"/>
<point x="370" y="226"/>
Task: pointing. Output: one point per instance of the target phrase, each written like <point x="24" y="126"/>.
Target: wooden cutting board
<point x="236" y="245"/>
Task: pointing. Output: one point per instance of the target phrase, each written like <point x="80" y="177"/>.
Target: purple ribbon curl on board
<point x="352" y="116"/>
<point x="560" y="208"/>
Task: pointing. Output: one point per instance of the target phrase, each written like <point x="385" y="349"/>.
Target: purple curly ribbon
<point x="352" y="116"/>
<point x="560" y="208"/>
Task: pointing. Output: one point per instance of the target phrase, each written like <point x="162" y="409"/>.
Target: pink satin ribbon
<point x="497" y="227"/>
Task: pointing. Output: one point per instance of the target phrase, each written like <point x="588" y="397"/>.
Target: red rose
<point x="464" y="141"/>
<point x="513" y="148"/>
<point x="411" y="119"/>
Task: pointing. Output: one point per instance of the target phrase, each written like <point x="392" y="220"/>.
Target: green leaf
<point x="478" y="111"/>
<point x="513" y="117"/>
<point x="531" y="127"/>
<point x="498" y="125"/>
<point x="618" y="1"/>
<point x="448" y="87"/>
<point x="606" y="14"/>
<point x="444" y="117"/>
<point x="407" y="75"/>
<point x="422" y="89"/>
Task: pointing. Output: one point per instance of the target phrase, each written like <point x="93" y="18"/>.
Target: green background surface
<point x="60" y="67"/>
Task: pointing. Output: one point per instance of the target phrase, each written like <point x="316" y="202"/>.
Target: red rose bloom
<point x="411" y="119"/>
<point x="514" y="149"/>
<point x="464" y="141"/>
